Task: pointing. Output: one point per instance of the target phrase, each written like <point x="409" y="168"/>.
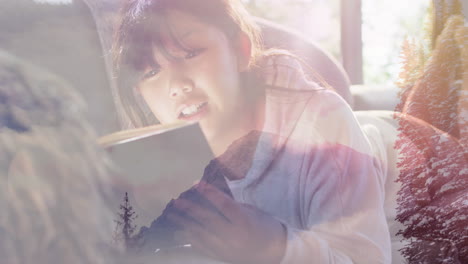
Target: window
<point x="318" y="20"/>
<point x="385" y="24"/>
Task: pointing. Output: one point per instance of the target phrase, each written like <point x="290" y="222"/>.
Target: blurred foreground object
<point x="52" y="196"/>
<point x="62" y="38"/>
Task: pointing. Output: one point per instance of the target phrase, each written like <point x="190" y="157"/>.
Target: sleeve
<point x="340" y="195"/>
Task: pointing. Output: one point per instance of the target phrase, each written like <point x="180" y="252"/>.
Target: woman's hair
<point x="142" y="22"/>
<point x="141" y="27"/>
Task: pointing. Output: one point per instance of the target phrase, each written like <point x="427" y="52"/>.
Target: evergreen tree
<point x="124" y="233"/>
<point x="432" y="200"/>
<point x="432" y="141"/>
<point x="433" y="77"/>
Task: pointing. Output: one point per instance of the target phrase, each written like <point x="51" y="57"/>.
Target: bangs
<point x="150" y="30"/>
<point x="141" y="38"/>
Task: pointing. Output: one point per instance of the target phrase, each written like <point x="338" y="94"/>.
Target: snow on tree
<point x="432" y="89"/>
<point x="433" y="200"/>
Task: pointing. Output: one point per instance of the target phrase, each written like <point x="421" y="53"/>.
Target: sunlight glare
<point x="54" y="2"/>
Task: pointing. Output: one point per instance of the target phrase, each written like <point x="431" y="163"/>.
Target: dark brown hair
<point x="140" y="27"/>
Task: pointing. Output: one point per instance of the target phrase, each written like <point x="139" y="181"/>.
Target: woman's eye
<point x="193" y="54"/>
<point x="150" y="73"/>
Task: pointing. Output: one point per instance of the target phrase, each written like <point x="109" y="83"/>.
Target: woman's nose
<point x="180" y="87"/>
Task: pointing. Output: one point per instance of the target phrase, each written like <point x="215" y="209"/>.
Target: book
<point x="154" y="165"/>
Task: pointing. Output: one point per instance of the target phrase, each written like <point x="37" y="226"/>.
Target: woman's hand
<point x="236" y="233"/>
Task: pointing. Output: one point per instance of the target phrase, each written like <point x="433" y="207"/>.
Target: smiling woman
<point x="194" y="76"/>
<point x="303" y="180"/>
<point x="193" y="72"/>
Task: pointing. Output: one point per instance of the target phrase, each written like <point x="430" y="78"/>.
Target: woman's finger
<point x="222" y="202"/>
<point x="196" y="220"/>
<point x="176" y="217"/>
<point x="207" y="217"/>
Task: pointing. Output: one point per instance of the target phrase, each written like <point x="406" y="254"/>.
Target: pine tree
<point x="432" y="200"/>
<point x="431" y="81"/>
<point x="413" y="59"/>
<point x="432" y="140"/>
<point x="125" y="228"/>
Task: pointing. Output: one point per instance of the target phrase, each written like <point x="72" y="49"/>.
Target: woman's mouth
<point x="193" y="112"/>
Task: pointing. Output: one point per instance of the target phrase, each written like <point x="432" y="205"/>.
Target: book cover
<point x="154" y="165"/>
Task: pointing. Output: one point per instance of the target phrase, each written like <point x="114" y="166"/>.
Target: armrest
<point x="374" y="97"/>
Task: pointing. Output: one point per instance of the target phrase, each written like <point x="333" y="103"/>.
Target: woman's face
<point x="197" y="79"/>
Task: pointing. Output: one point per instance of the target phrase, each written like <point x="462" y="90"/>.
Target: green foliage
<point x="413" y="58"/>
<point x="441" y="11"/>
<point x="434" y="59"/>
